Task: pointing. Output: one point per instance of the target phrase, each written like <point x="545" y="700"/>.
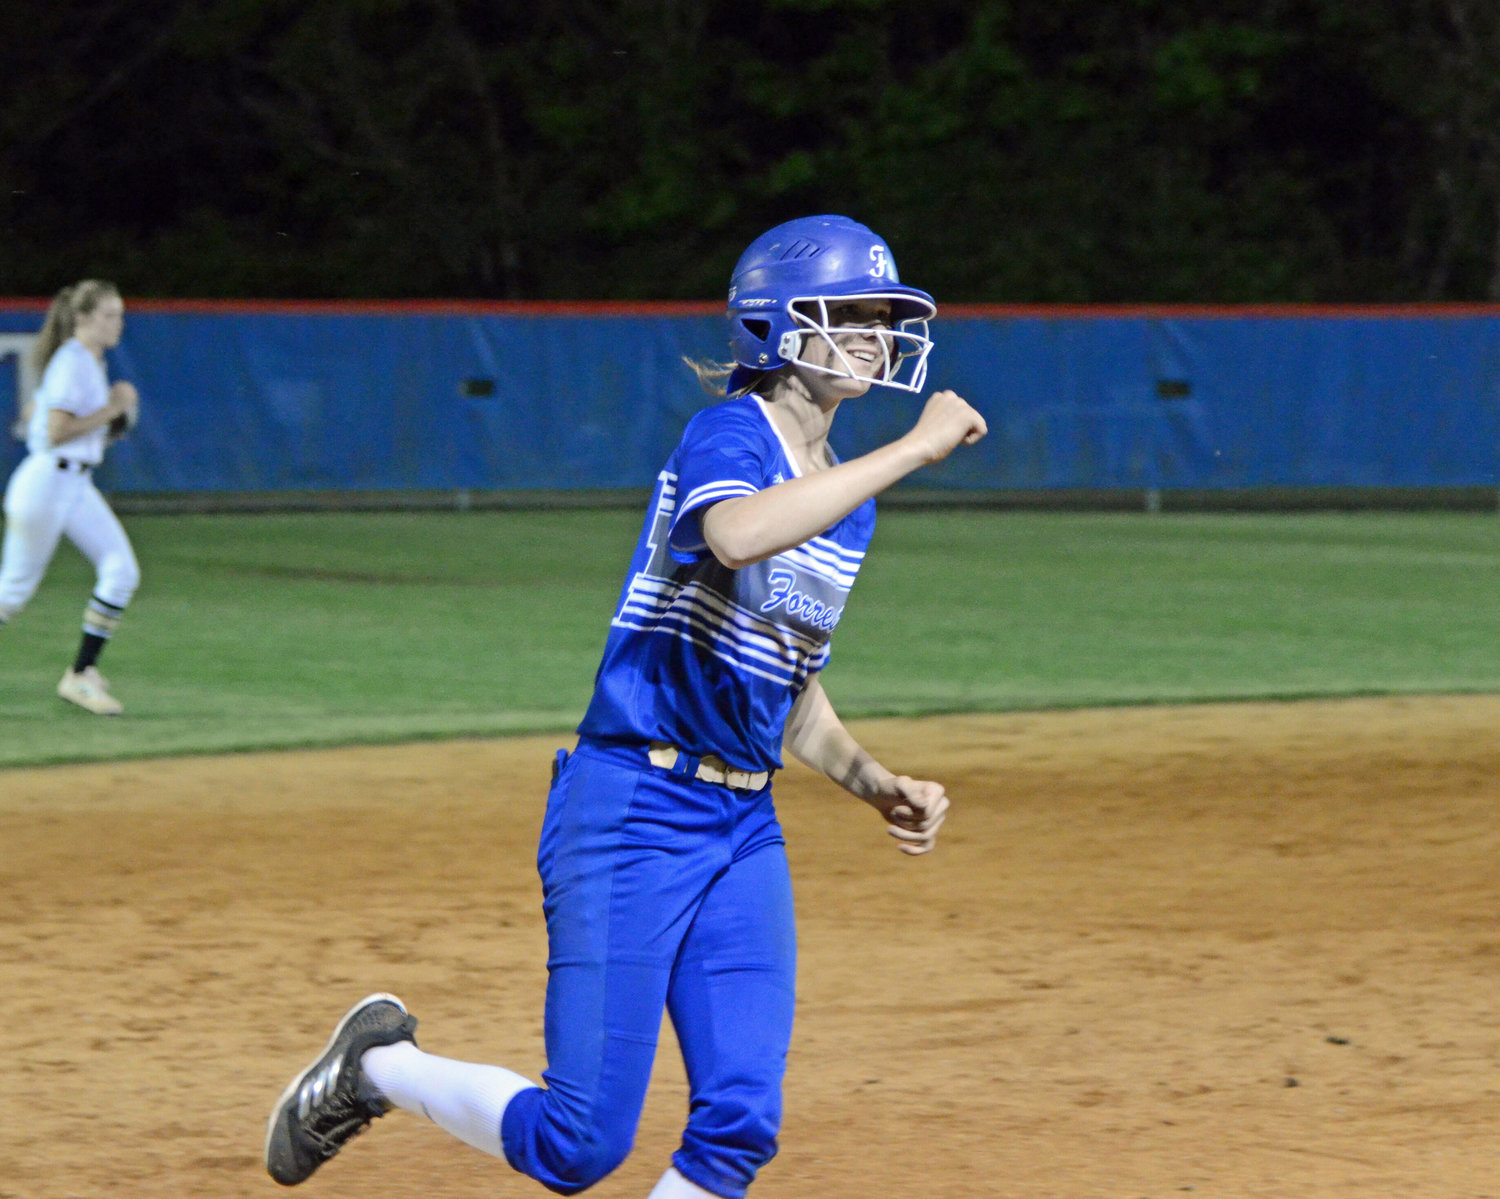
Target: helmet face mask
<point x="790" y="278"/>
<point x="906" y="342"/>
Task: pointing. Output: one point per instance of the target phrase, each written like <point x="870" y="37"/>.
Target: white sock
<point x="464" y="1099"/>
<point x="674" y="1186"/>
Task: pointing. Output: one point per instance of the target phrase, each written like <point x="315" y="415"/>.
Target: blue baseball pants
<point x="660" y="891"/>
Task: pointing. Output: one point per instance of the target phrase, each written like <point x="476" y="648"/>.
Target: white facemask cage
<point x="905" y="344"/>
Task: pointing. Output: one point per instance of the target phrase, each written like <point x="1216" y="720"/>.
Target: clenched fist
<point x="914" y="810"/>
<point x="946" y="423"/>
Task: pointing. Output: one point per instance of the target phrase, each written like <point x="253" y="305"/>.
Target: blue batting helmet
<point x="782" y="287"/>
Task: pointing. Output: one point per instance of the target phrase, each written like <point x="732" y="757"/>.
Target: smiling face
<point x="101" y="326"/>
<point x="856" y="349"/>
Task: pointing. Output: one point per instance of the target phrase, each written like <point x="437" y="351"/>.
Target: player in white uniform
<point x="73" y="416"/>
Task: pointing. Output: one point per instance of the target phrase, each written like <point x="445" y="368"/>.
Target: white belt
<point x="711" y="768"/>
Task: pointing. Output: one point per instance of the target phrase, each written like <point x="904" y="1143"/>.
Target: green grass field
<point x="267" y="631"/>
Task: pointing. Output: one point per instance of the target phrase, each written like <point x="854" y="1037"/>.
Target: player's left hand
<point x="914" y="810"/>
<point x="124" y="397"/>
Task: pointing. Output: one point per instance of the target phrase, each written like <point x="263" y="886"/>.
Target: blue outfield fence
<point x="312" y="397"/>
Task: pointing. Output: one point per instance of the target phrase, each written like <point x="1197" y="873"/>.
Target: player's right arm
<point x="751" y="528"/>
<point x="63" y="425"/>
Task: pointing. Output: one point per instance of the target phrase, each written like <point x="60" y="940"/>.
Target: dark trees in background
<point x="1066" y="150"/>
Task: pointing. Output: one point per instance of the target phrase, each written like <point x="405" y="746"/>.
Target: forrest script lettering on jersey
<point x="805" y="608"/>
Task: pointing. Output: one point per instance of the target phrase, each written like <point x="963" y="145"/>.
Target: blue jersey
<point x="708" y="658"/>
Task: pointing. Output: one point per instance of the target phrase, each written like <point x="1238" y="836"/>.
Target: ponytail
<point x="713" y="377"/>
<point x="67" y="306"/>
<point x="56" y="329"/>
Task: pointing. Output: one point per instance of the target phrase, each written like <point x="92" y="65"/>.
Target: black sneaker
<point x="324" y="1106"/>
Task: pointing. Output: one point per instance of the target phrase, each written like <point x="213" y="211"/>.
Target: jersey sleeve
<point x="723" y="454"/>
<point x="73" y="381"/>
<point x="62" y="386"/>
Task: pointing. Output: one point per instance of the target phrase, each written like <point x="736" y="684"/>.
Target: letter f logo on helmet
<point x="880" y="258"/>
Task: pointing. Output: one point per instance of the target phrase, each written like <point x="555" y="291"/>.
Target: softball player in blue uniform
<point x="51" y="494"/>
<point x="663" y="868"/>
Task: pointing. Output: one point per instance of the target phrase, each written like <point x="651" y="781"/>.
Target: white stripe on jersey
<point x="727" y="619"/>
<point x="813" y="557"/>
<point x="705" y="639"/>
<point x="830" y="550"/>
<point x="676" y="625"/>
<point x="739" y="637"/>
<point x="708" y="493"/>
<point x="722" y="490"/>
<point x="650" y="596"/>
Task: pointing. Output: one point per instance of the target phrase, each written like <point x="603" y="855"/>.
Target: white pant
<point x="44" y="503"/>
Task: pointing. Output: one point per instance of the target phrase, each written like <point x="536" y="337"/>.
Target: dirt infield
<point x="1229" y="950"/>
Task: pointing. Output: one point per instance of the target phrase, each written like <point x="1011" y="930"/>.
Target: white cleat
<point x="88" y="689"/>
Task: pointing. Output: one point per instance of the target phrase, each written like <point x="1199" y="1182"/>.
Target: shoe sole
<point x="80" y="703"/>
<point x="290" y="1094"/>
<point x="95" y="712"/>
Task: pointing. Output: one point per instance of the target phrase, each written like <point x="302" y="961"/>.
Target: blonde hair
<point x="67" y="306"/>
<point x="714" y="377"/>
